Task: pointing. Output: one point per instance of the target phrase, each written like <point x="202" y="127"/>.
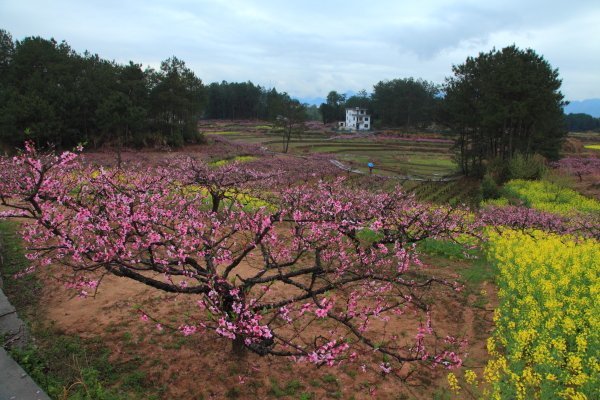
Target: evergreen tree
<point x="405" y="102"/>
<point x="334" y="109"/>
<point x="502" y="103"/>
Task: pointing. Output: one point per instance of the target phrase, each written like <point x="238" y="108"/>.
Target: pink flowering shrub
<point x="578" y="166"/>
<point x="295" y="278"/>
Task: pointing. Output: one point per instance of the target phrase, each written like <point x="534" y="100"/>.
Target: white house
<point x="357" y="119"/>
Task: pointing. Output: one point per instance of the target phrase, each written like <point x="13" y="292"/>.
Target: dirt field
<point x="201" y="366"/>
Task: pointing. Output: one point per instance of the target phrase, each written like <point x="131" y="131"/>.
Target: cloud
<point x="311" y="47"/>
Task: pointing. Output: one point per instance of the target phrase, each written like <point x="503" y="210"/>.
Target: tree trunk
<point x="119" y="149"/>
<point x="238" y="348"/>
<point x="216" y="201"/>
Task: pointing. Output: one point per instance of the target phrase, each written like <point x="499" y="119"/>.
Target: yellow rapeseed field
<point x="546" y="343"/>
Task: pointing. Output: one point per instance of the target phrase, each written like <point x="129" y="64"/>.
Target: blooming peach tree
<point x="315" y="273"/>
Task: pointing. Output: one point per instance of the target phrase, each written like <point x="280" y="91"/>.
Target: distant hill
<point x="312" y="100"/>
<point x="318" y="100"/>
<point x="588" y="106"/>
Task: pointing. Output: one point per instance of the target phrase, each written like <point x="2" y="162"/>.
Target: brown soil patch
<point x="202" y="366"/>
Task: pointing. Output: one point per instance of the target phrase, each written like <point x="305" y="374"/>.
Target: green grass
<point x="478" y="272"/>
<point x="223" y="133"/>
<point x="81" y="368"/>
<point x="20" y="291"/>
<point x="289" y="389"/>
<point x="391" y="157"/>
<point x="369" y="236"/>
<point x="447" y="249"/>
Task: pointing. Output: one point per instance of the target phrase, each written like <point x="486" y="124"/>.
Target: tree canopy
<point x="244" y="100"/>
<point x="52" y="95"/>
<point x="334" y="108"/>
<point x="405" y="102"/>
<point x="581" y="122"/>
<point x="501" y="103"/>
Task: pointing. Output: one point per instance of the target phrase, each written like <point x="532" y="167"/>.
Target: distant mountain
<point x="312" y="100"/>
<point x="588" y="106"/>
<point x="319" y="100"/>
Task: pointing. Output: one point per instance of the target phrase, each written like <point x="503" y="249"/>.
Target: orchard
<point x="315" y="271"/>
<point x="266" y="273"/>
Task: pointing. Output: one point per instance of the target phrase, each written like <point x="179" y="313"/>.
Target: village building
<point x="357" y="119"/>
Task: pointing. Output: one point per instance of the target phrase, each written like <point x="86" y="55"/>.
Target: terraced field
<point x="460" y="191"/>
<point x="413" y="155"/>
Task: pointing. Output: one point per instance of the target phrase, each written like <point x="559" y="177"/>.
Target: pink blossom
<point x="187" y="330"/>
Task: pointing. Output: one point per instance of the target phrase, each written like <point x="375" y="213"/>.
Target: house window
<point x="366" y="119"/>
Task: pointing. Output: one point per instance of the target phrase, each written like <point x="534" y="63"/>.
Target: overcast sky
<point x="308" y="48"/>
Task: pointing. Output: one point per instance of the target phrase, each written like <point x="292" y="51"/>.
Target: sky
<point x="308" y="48"/>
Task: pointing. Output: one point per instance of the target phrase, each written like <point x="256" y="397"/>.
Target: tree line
<point x="406" y="102"/>
<point x="51" y="94"/>
<point x="581" y="122"/>
<point x="497" y="105"/>
<point x="245" y="100"/>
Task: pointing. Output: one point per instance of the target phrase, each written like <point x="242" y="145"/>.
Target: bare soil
<point x="202" y="366"/>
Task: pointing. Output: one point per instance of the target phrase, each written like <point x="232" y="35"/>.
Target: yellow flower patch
<point x="547" y="338"/>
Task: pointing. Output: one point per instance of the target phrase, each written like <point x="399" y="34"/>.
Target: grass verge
<point x="65" y="367"/>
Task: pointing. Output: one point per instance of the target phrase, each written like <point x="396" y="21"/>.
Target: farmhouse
<point x="357" y="119"/>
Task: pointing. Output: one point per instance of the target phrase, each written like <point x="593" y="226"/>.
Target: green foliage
<point x="67" y="367"/>
<point x="135" y="380"/>
<point x="334" y="109"/>
<point x="360" y="100"/>
<point x="581" y="123"/>
<point x="177" y="99"/>
<point x="503" y="102"/>
<point x="53" y="95"/>
<point x="329" y="378"/>
<point x="238" y="159"/>
<point x="225" y="132"/>
<point x="522" y="167"/>
<point x="447" y="249"/>
<point x="489" y="188"/>
<point x="243" y="100"/>
<point x="312" y="112"/>
<point x="90" y="387"/>
<point x="23" y="291"/>
<point x="369" y="235"/>
<point x="405" y="102"/>
<point x="478" y="272"/>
